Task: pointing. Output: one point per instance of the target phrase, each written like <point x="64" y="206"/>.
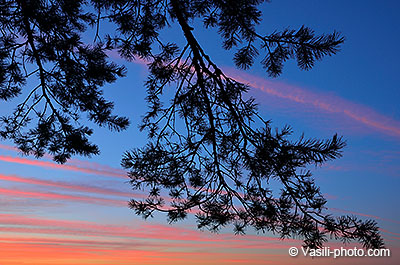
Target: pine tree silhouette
<point x="209" y="150"/>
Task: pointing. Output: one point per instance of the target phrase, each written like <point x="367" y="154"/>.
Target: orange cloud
<point x="25" y="224"/>
<point x="137" y="244"/>
<point x="169" y="243"/>
<point x="47" y="252"/>
<point x="42" y="252"/>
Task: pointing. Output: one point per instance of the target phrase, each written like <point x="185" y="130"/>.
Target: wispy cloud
<point x="396" y="235"/>
<point x="140" y="243"/>
<point x="9" y="148"/>
<point x="65" y="185"/>
<point x="41" y="251"/>
<point x="365" y="215"/>
<point x="16" y="223"/>
<point x="325" y="102"/>
<point x="76" y="168"/>
<point x="61" y="197"/>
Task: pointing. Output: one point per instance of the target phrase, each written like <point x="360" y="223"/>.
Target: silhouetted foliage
<point x="47" y="36"/>
<point x="209" y="151"/>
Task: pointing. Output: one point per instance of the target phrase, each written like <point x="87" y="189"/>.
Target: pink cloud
<point x="96" y="166"/>
<point x="94" y="243"/>
<point x="115" y="55"/>
<point x="63" y="197"/>
<point x="91" y="236"/>
<point x="330" y="196"/>
<point x="325" y="102"/>
<point x="40" y="251"/>
<point x="48" y="164"/>
<point x="26" y="224"/>
<point x="365" y="215"/>
<point x="9" y="148"/>
<point x="66" y="185"/>
<point x="397" y="235"/>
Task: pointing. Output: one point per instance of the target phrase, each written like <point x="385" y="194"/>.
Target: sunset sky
<point x="77" y="214"/>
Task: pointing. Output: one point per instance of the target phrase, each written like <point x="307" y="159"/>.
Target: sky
<point x="77" y="214"/>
